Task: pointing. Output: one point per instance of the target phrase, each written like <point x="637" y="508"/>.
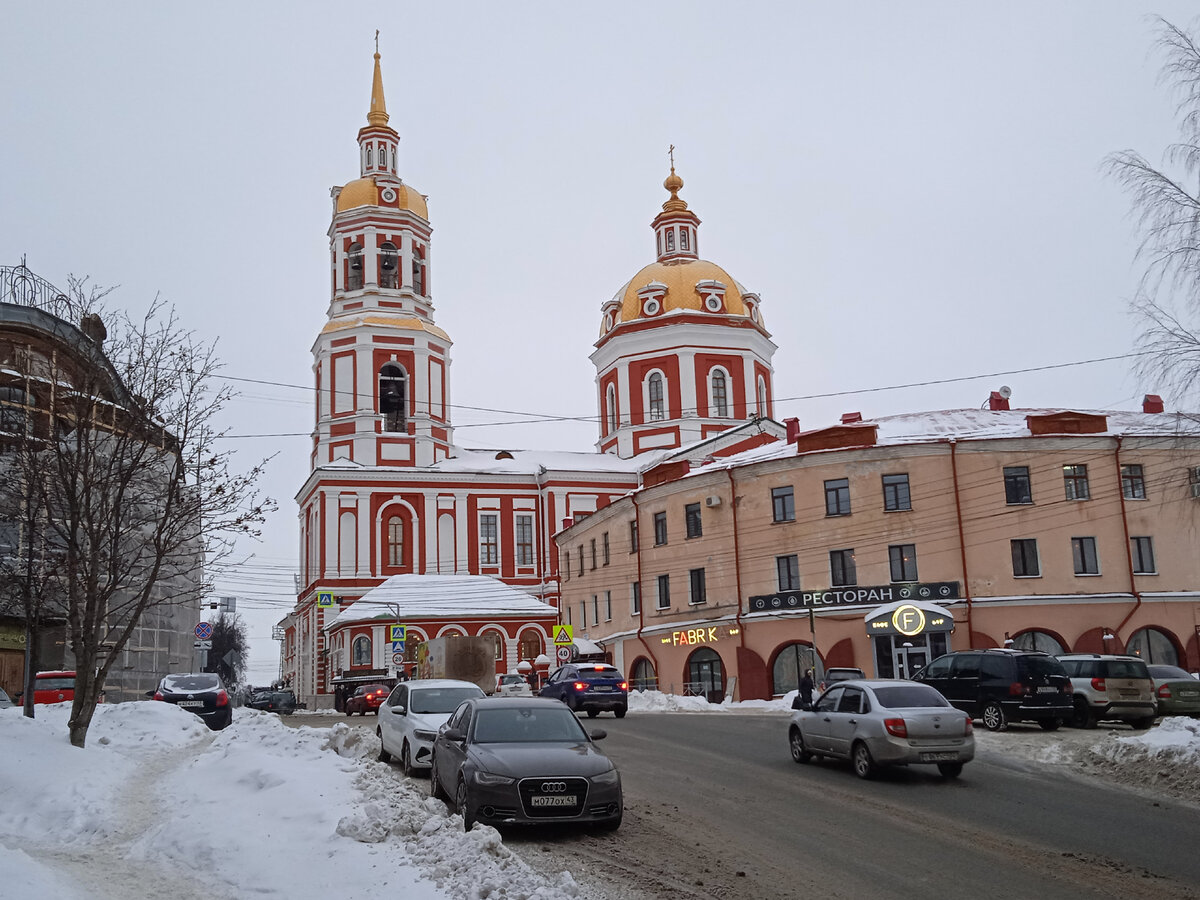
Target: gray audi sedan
<point x="523" y="760"/>
<point x="884" y="723"/>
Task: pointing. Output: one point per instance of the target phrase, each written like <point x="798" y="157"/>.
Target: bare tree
<point x="1166" y="202"/>
<point x="130" y="471"/>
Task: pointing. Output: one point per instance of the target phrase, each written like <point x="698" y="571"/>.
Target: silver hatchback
<point x="884" y="723"/>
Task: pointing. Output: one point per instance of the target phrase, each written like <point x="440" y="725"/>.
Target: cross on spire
<point x="376" y="40"/>
<point x="670" y="151"/>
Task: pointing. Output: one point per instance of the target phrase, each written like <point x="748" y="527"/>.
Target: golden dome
<point x="680" y="277"/>
<point x="383" y="321"/>
<point x="365" y="192"/>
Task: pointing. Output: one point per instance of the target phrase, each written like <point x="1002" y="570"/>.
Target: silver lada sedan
<point x="884" y="723"/>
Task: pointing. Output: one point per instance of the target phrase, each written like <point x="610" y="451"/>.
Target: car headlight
<point x="492" y="780"/>
<point x="424" y="735"/>
<point x="609" y="777"/>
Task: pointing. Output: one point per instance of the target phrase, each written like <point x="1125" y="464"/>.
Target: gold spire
<point x="378" y="114"/>
<point x="673" y="184"/>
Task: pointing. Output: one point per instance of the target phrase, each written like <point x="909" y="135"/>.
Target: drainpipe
<point x="1137" y="596"/>
<point x="543" y="538"/>
<point x="737" y="558"/>
<point x="642" y="602"/>
<point x="962" y="541"/>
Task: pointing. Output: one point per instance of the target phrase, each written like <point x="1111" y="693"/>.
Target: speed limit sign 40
<point x="564" y="654"/>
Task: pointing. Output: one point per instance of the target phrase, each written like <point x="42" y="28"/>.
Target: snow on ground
<point x="160" y="808"/>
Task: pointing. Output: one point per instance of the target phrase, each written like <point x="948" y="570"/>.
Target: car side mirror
<point x="599" y="734"/>
<point x="455" y="734"/>
<point x="150" y="694"/>
<point x="399" y="710"/>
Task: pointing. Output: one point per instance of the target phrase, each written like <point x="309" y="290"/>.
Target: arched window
<point x="683" y="239"/>
<point x="395" y="542"/>
<point x="530" y="647"/>
<point x="705" y="676"/>
<point x="790" y="664"/>
<point x="389" y="266"/>
<point x="720" y="397"/>
<point x="655" y="392"/>
<point x="643" y="678"/>
<point x="383" y="156"/>
<point x="670" y="240"/>
<point x="1038" y="640"/>
<point x="361" y="654"/>
<point x="370" y="155"/>
<point x="762" y="396"/>
<point x="497" y="642"/>
<point x="354" y="268"/>
<point x="1154" y="646"/>
<point x="393" y="397"/>
<point x="611" y="402"/>
<point x="412" y="644"/>
<point x="418" y="270"/>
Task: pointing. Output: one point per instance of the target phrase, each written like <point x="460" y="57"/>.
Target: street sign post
<point x="202" y="645"/>
<point x="204" y="631"/>
<point x="397" y="659"/>
<point x="396" y="634"/>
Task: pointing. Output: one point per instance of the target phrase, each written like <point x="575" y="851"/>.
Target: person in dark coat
<point x="804" y="695"/>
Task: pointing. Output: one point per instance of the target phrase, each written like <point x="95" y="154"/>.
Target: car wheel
<point x="406" y="765"/>
<point x="950" y="770"/>
<point x="463" y="802"/>
<point x="1049" y="724"/>
<point x="864" y="765"/>
<point x="384" y="756"/>
<point x="619" y="713"/>
<point x="1143" y="723"/>
<point x="1083" y="717"/>
<point x="592" y="713"/>
<point x="435" y="785"/>
<point x="994" y="718"/>
<point x="800" y="753"/>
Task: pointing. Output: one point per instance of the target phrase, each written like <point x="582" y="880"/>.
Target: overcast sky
<point x="915" y="190"/>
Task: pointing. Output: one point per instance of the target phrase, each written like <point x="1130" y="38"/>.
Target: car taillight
<point x="968" y="727"/>
<point x="1098" y="684"/>
<point x="581" y="686"/>
<point x="222" y="698"/>
<point x="1068" y="688"/>
<point x="158" y="695"/>
<point x="624" y="685"/>
<point x="896" y="727"/>
<point x="1016" y="689"/>
<point x="1165" y="692"/>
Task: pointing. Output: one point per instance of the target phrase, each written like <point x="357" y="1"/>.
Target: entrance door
<point x="908" y="660"/>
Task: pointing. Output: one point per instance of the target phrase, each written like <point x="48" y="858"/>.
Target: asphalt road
<point x="715" y="807"/>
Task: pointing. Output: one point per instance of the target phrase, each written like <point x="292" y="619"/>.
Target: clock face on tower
<point x="387" y="195"/>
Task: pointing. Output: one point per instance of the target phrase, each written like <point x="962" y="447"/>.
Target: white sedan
<point x="411" y="715"/>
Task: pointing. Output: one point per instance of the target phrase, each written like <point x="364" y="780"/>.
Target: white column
<point x="370" y="256"/>
<point x="461" y="533"/>
<point x="689" y="391"/>
<point x="406" y="257"/>
<point x="329" y="528"/>
<point x="429" y="519"/>
<point x="365" y="532"/>
<point x="751" y="386"/>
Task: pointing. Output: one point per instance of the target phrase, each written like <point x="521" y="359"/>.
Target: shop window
<point x="643" y="677"/>
<point x="1038" y="640"/>
<point x="1154" y="646"/>
<point x="705" y="675"/>
<point x="792" y="661"/>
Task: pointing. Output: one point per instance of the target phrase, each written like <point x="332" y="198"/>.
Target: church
<point x="393" y="508"/>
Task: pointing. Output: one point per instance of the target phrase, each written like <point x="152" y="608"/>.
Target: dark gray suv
<point x="1002" y="686"/>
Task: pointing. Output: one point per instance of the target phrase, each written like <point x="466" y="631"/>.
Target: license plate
<point x="601" y="687"/>
<point x="191" y="704"/>
<point x="1189" y="693"/>
<point x="939" y="757"/>
<point x="1047" y="690"/>
<point x="1129" y="693"/>
<point x="566" y="800"/>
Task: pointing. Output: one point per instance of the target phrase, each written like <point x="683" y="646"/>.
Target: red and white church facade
<point x="683" y="369"/>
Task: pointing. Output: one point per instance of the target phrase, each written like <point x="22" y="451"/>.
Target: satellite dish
<point x="1005" y="391"/>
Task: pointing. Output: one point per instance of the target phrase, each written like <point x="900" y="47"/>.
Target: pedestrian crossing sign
<point x="324" y="598"/>
<point x="562" y="634"/>
<point x="397" y="634"/>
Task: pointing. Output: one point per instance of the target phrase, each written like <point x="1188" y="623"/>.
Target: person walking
<point x="804" y="694"/>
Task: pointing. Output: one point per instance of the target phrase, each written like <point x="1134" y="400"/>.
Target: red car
<point x="53" y="687"/>
<point x="367" y="698"/>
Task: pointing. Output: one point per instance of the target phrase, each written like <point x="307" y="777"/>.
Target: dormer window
<point x="393" y="397"/>
<point x="354" y="268"/>
<point x="389" y="266"/>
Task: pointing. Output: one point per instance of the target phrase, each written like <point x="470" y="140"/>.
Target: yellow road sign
<point x="562" y="634"/>
<point x="324" y="598"/>
<point x="397" y="634"/>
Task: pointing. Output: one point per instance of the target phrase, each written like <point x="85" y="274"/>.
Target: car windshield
<point x="527" y="725"/>
<point x="598" y="673"/>
<point x="1169" y="672"/>
<point x="439" y="700"/>
<point x="1043" y="665"/>
<point x="908" y="696"/>
<point x="199" y="682"/>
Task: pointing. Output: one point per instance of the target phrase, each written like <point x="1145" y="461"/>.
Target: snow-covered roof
<point x="530" y="462"/>
<point x="442" y="597"/>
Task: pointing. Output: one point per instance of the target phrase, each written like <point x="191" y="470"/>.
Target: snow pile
<point x="1166" y="757"/>
<point x="656" y="701"/>
<point x="157" y="806"/>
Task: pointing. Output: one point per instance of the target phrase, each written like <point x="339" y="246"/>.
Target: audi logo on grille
<point x="553" y="787"/>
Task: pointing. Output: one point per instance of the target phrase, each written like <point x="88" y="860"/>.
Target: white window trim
<point x="666" y="396"/>
<point x="712" y="402"/>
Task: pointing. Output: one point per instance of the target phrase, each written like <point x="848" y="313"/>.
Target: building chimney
<point x="997" y="400"/>
<point x="793" y="429"/>
<point x="1152" y="403"/>
<point x="848" y="418"/>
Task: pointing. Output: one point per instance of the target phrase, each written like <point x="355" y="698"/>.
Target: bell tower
<point x="381" y="364"/>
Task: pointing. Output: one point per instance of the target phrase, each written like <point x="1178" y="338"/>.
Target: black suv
<point x="1002" y="686"/>
<point x="590" y="687"/>
<point x="282" y="702"/>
